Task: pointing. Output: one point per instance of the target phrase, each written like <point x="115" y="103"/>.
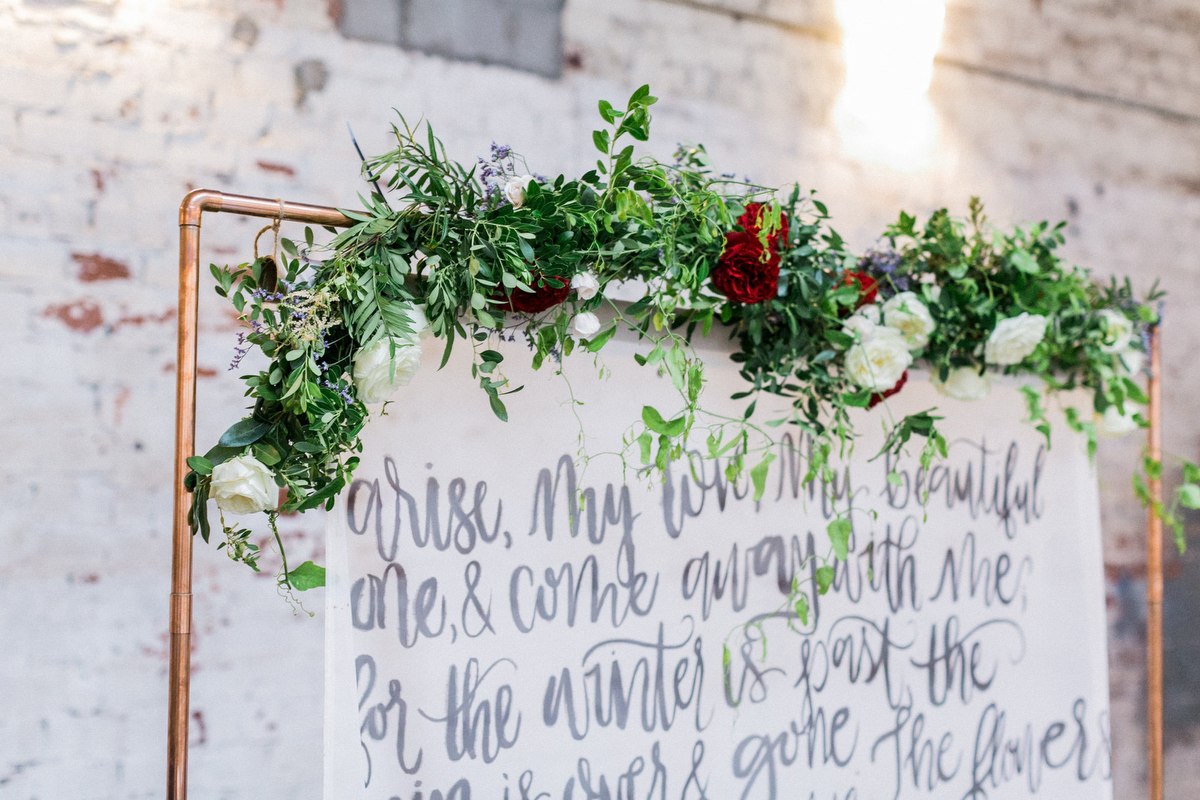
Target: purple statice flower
<point x="882" y="261"/>
<point x="263" y="294"/>
<point x="343" y="391"/>
<point x="239" y="352"/>
<point x="500" y="151"/>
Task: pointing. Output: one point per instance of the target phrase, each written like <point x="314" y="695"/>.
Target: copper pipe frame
<point x="1154" y="582"/>
<point x="201" y="200"/>
<point x="194" y="204"/>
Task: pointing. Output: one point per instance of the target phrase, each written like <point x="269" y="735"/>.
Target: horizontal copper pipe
<point x="190" y="211"/>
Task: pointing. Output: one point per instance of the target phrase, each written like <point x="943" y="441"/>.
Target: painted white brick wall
<point x="110" y="110"/>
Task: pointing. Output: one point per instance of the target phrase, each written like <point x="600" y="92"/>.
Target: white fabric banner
<point x="506" y="626"/>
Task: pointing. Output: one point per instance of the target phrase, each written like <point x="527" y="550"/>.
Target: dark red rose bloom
<point x="876" y="399"/>
<point x="745" y="272"/>
<point x="868" y="287"/>
<point x="548" y="291"/>
<point x="751" y="221"/>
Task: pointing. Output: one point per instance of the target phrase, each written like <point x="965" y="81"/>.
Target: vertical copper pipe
<point x="190" y="211"/>
<point x="1154" y="584"/>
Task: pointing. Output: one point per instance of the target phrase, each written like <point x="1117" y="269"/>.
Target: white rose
<point x="1014" y="339"/>
<point x="907" y="314"/>
<point x="243" y="485"/>
<point x="964" y="383"/>
<point x="862" y="323"/>
<point x="1130" y="362"/>
<point x="515" y="188"/>
<point x="1113" y="423"/>
<point x="585" y="285"/>
<point x="1118" y="331"/>
<point x="586" y="323"/>
<point x="878" y="361"/>
<point x="373" y="379"/>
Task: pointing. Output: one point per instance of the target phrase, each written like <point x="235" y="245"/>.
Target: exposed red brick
<point x="334" y="10"/>
<point x="206" y="372"/>
<point x="138" y="320"/>
<point x="98" y="180"/>
<point x="82" y="315"/>
<point x="95" y="267"/>
<point x="283" y="169"/>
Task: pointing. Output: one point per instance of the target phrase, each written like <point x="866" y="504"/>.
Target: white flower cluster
<point x="885" y="337"/>
<point x="586" y="286"/>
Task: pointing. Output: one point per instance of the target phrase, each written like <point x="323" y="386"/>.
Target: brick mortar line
<point x="835" y="37"/>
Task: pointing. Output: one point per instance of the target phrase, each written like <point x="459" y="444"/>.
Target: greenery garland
<point x="472" y="253"/>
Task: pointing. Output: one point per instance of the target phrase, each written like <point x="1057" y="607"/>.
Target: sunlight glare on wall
<point x="883" y="114"/>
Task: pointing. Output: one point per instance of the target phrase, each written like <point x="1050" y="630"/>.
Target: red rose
<point x="868" y="287"/>
<point x="548" y="291"/>
<point x="876" y="399"/>
<point x="746" y="273"/>
<point x="751" y="221"/>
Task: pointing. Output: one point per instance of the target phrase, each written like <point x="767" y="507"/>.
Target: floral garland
<point x="473" y="253"/>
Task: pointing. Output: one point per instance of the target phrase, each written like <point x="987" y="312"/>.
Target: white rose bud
<point x="515" y="188"/>
<point x="964" y="383"/>
<point x="586" y="324"/>
<point x="1118" y="331"/>
<point x="907" y="314"/>
<point x="1113" y="423"/>
<point x="373" y="378"/>
<point x="586" y="285"/>
<point x="1014" y="339"/>
<point x="243" y="485"/>
<point x="878" y="361"/>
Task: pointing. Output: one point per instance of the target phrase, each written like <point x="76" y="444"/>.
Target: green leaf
<point x="839" y="535"/>
<point x="1022" y="260"/>
<point x="600" y="339"/>
<point x="824" y="579"/>
<point x="201" y="465"/>
<point x="1189" y="495"/>
<point x="609" y="114"/>
<point x="240" y="434"/>
<point x="655" y="422"/>
<point x="306" y="576"/>
<point x="498" y="407"/>
<point x="801" y="608"/>
<point x="600" y="139"/>
<point x="645" y="443"/>
<point x="758" y="475"/>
